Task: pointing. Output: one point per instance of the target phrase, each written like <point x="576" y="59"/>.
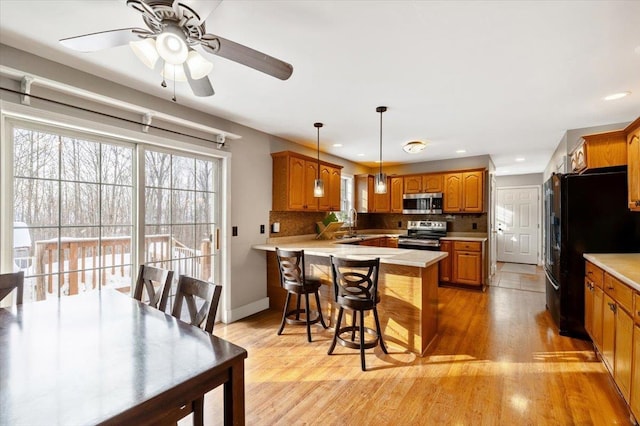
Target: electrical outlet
<point x="474" y="225"/>
<point x="262" y="229"/>
<point x="234" y="231"/>
<point x="399" y="224"/>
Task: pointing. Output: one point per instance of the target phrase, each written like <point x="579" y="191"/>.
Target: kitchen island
<point x="407" y="282"/>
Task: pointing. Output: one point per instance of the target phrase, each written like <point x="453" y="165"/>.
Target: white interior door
<point x="518" y="224"/>
<point x="493" y="243"/>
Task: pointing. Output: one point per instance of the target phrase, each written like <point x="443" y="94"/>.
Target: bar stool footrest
<point x="314" y="317"/>
<point x="355" y="344"/>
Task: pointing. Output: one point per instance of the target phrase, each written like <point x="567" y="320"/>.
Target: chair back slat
<point x="157" y="284"/>
<point x="291" y="267"/>
<point x="355" y="279"/>
<point x="11" y="281"/>
<point x="191" y="291"/>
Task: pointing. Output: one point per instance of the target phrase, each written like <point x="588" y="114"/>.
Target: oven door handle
<point x="556" y="287"/>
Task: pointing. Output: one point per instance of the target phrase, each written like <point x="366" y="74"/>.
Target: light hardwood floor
<point x="498" y="360"/>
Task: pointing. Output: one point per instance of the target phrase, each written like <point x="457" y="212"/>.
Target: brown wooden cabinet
<point x="610" y="312"/>
<point x="396" y="188"/>
<point x="367" y="201"/>
<point x="633" y="164"/>
<point x="464" y="192"/>
<point x="430" y="182"/>
<point x="293" y="180"/>
<point x="635" y="368"/>
<point x="600" y="150"/>
<point x="445" y="264"/>
<point x="467" y="263"/>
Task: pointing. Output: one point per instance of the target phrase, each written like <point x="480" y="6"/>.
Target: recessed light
<point x="461" y="151"/>
<point x="519" y="159"/>
<point x="377" y="161"/>
<point x="360" y="155"/>
<point x="414" y="147"/>
<point x="337" y="145"/>
<point x="615" y="96"/>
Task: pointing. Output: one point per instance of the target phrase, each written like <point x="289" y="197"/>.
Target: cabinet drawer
<point x="467" y="245"/>
<point x="621" y="293"/>
<point x="595" y="274"/>
<point x="636" y="313"/>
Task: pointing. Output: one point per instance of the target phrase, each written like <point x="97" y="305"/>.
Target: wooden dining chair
<point x="156" y="282"/>
<point x="11" y="281"/>
<point x="193" y="292"/>
<point x="196" y="292"/>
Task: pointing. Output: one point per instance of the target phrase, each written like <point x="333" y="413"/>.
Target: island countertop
<point x="326" y="248"/>
<point x="623" y="266"/>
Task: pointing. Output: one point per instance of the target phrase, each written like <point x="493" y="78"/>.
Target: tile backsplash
<point x="304" y="223"/>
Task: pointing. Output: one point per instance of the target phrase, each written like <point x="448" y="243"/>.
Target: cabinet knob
<point x="612" y="306"/>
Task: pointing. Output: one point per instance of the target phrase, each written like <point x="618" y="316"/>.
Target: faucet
<point x="353" y="220"/>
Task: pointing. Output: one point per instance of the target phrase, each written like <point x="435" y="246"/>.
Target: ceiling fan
<point x="174" y="31"/>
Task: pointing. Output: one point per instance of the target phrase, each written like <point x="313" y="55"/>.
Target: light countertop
<point x="623" y="266"/>
<point x="326" y="248"/>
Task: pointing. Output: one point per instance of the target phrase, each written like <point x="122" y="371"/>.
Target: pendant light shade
<point x="318" y="184"/>
<point x="380" y="186"/>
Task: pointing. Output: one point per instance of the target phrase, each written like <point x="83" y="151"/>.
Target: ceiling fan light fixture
<point x="198" y="65"/>
<point x="146" y="51"/>
<point x="173" y="72"/>
<point x="171" y="45"/>
<point x="414" y="147"/>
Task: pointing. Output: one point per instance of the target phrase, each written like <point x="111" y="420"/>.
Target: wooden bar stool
<point x="355" y="287"/>
<point x="294" y="280"/>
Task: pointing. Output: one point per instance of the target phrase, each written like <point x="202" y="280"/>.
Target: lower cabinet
<point x="613" y="323"/>
<point x="380" y="242"/>
<point x="464" y="265"/>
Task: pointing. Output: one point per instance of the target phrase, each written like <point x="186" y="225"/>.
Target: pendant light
<point x="380" y="186"/>
<point x="318" y="184"/>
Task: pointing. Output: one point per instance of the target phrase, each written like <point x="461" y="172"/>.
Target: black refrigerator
<point x="585" y="213"/>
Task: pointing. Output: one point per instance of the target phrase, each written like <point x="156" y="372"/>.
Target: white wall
<point x="519" y="180"/>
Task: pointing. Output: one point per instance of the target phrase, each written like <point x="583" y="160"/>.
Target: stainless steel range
<point x="423" y="235"/>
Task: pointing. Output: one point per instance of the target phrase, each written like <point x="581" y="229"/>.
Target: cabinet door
<point x="623" y="351"/>
<point x="382" y="202"/>
<point x="396" y="194"/>
<point x="297" y="171"/>
<point x="608" y="331"/>
<point x="633" y="171"/>
<point x="472" y="192"/>
<point x="324" y="203"/>
<point x="635" y="368"/>
<point x="467" y="267"/>
<point x="445" y="264"/>
<point x="335" y="188"/>
<point x="588" y="307"/>
<point x="596" y="326"/>
<point x="310" y="175"/>
<point x="364" y="188"/>
<point x="452" y="193"/>
<point x="413" y="184"/>
<point x="432" y="183"/>
<point x="391" y="242"/>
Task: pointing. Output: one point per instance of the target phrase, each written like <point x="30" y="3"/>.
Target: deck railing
<point x="70" y="260"/>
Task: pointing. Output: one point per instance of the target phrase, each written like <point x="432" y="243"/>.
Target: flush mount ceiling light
<point x="381" y="178"/>
<point x="414" y="147"/>
<point x="318" y="184"/>
<point x="616" y="96"/>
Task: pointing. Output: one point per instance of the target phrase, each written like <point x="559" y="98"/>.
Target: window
<point x="72" y="200"/>
<point x="74" y="215"/>
<point x="346" y="199"/>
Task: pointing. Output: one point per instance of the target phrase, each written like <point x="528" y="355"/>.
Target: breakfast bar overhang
<point x="408" y="286"/>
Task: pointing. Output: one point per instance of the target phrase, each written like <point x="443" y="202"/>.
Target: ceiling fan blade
<point x="103" y="40"/>
<point x="201" y="8"/>
<point x="247" y="56"/>
<point x="201" y="87"/>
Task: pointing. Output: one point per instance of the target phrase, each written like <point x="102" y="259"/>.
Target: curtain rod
<point x="175" y="132"/>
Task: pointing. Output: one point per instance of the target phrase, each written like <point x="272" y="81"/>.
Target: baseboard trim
<point x="246" y="310"/>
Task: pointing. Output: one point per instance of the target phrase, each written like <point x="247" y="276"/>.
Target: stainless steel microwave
<point x="423" y="203"/>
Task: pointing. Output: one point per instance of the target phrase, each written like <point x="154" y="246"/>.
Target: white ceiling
<point x="499" y="78"/>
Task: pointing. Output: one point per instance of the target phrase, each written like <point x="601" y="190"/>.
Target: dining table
<point x="103" y="357"/>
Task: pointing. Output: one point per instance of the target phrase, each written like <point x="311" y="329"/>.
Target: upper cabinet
<point x="464" y="192"/>
<point x="633" y="159"/>
<point x="600" y="150"/>
<point x="414" y="184"/>
<point x="397" y="183"/>
<point x="367" y="201"/>
<point x="293" y="179"/>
